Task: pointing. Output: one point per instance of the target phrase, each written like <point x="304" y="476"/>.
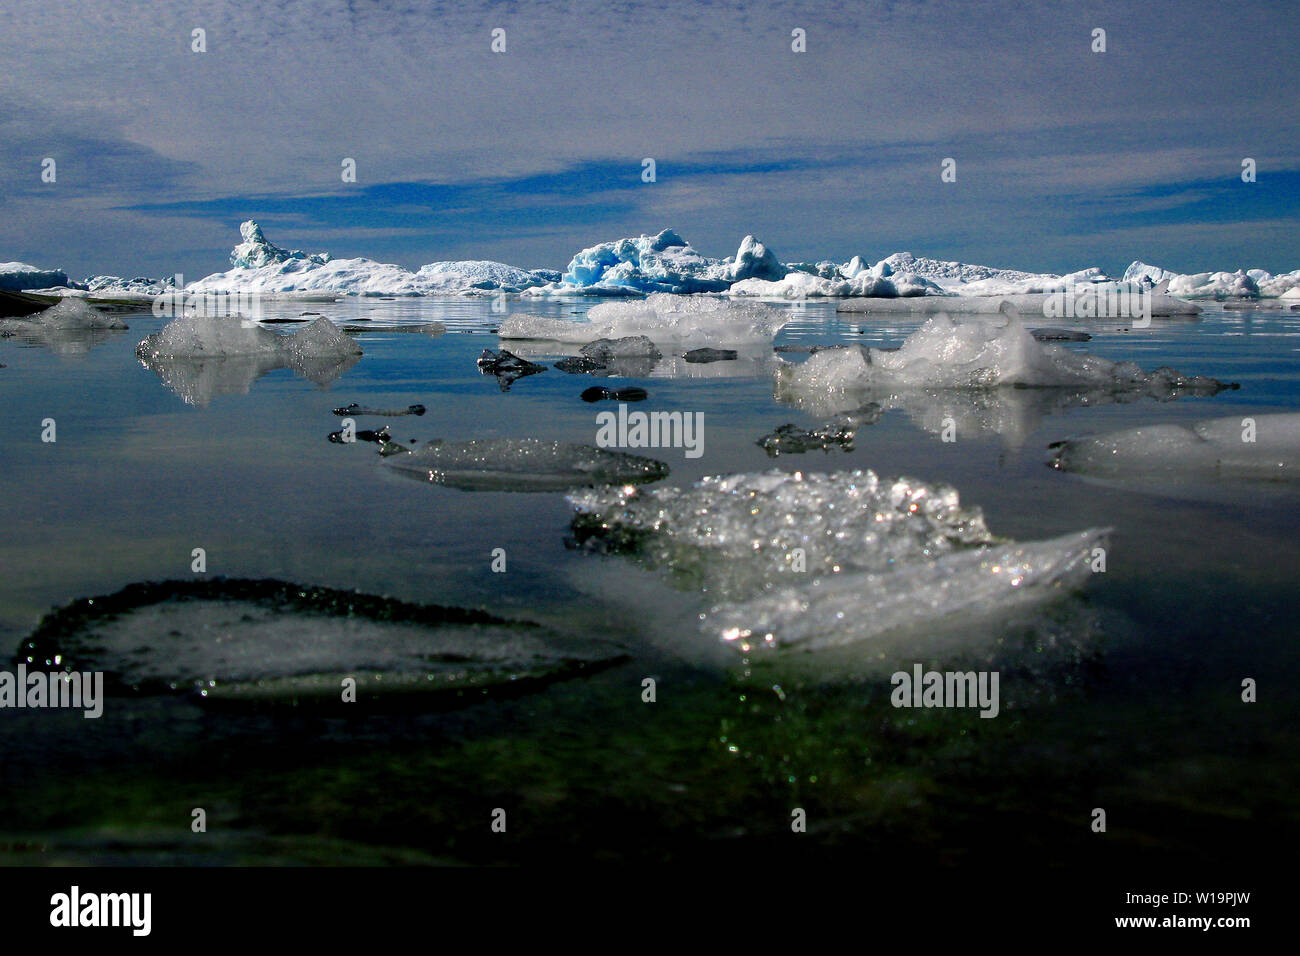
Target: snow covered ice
<point x="880" y="554"/>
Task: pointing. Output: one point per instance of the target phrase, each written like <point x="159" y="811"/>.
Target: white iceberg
<point x="19" y="276"/>
<point x="1242" y="284"/>
<point x="679" y="320"/>
<point x="264" y="268"/>
<point x="1240" y="446"/>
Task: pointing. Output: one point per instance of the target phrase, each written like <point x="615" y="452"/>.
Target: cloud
<point x="530" y="154"/>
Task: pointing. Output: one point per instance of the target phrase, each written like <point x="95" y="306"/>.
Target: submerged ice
<point x="265" y="641"/>
<point x="817" y="560"/>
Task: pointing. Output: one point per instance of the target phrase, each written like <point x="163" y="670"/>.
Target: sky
<point x="1065" y="157"/>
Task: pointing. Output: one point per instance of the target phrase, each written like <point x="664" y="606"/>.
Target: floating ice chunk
<point x="1254" y="446"/>
<point x="823" y="559"/>
<point x="199" y="357"/>
<point x="200" y="336"/>
<point x="523" y="464"/>
<point x="978" y="353"/>
<point x="265" y="641"/>
<point x="17" y="276"/>
<point x="607" y="351"/>
<point x="849" y="608"/>
<point x="683" y="321"/>
<point x="74" y="314"/>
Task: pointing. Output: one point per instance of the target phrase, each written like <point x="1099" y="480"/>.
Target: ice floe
<point x="244" y="642"/>
<point x="1240" y="446"/>
<point x="977" y="353"/>
<point x="679" y="320"/>
<point x="815" y="560"/>
<point x="522" y="464"/>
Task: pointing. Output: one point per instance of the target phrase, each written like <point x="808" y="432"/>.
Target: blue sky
<point x="1065" y="158"/>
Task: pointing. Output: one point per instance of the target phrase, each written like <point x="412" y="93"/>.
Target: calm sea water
<point x="1144" y="717"/>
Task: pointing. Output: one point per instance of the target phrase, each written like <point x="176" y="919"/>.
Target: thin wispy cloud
<point x="530" y="154"/>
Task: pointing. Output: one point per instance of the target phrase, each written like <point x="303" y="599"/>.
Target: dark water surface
<point x="1127" y="699"/>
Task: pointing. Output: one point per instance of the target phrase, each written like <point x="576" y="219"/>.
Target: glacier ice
<point x="1240" y="446"/>
<point x="877" y="554"/>
<point x="522" y="464"/>
<point x="70" y="314"/>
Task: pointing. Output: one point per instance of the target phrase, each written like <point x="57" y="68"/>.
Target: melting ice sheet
<point x="200" y="357"/>
<point x="678" y="320"/>
<point x="269" y="641"/>
<point x="879" y="555"/>
<point x="1253" y="447"/>
<point x="522" y="464"/>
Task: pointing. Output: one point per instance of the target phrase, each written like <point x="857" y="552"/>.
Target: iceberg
<point x="1242" y="284"/>
<point x="1241" y="446"/>
<point x="817" y="560"/>
<point x="679" y="320"/>
<point x="522" y="464"/>
<point x="641" y="265"/>
<point x="19" y="276"/>
<point x="262" y="267"/>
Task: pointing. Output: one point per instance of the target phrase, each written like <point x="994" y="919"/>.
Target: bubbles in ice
<point x="821" y="559"/>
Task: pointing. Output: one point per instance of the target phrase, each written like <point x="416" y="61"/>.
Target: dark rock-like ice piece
<point x="710" y="355"/>
<point x="507" y="367"/>
<point x="630" y="394"/>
